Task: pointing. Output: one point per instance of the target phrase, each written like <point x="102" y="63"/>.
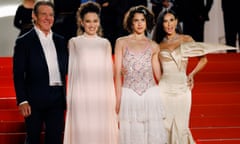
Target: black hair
<point x="159" y="33"/>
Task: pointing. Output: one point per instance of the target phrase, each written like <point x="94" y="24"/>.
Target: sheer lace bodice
<point x="139" y="75"/>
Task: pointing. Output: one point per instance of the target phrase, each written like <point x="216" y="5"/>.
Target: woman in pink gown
<point x="91" y="116"/>
<point x="138" y="100"/>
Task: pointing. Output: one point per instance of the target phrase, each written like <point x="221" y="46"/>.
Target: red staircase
<point x="215" y="115"/>
<point x="12" y="130"/>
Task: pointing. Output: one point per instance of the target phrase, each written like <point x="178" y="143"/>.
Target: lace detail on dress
<point x="139" y="75"/>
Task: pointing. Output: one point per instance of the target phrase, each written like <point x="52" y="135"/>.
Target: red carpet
<point x="215" y="115"/>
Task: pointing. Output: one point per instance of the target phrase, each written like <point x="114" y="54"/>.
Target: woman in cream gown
<point x="175" y="84"/>
<point x="91" y="116"/>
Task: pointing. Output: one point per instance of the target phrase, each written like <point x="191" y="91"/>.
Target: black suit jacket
<point x="31" y="78"/>
<point x="66" y="6"/>
<point x="231" y="7"/>
<point x="193" y="9"/>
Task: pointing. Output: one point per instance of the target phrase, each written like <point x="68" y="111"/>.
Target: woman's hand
<point x="190" y="81"/>
<point x="123" y="71"/>
<point x="117" y="108"/>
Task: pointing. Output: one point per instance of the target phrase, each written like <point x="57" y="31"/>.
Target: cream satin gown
<point x="91" y="101"/>
<point x="174" y="92"/>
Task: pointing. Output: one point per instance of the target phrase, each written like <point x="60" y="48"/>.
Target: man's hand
<point x="25" y="109"/>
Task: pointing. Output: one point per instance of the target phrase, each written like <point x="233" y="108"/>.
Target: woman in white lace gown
<point x="138" y="101"/>
<point x="91" y="117"/>
<point x="175" y="84"/>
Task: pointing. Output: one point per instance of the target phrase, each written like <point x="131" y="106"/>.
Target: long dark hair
<point x="159" y="33"/>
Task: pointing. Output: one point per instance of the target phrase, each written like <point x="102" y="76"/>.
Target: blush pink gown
<point x="91" y="117"/>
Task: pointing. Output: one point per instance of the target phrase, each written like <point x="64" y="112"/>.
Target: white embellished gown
<point x="141" y="113"/>
<point x="175" y="94"/>
<point x="91" y="100"/>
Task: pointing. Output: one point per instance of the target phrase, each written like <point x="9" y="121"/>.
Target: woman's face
<point x="139" y="23"/>
<point x="91" y="23"/>
<point x="169" y="23"/>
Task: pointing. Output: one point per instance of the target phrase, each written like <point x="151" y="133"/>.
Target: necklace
<point x="168" y="40"/>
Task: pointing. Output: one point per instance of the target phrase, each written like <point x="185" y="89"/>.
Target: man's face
<point x="44" y="18"/>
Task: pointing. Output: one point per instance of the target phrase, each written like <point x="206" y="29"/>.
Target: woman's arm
<point x="117" y="71"/>
<point x="200" y="65"/>
<point x="18" y="18"/>
<point x="156" y="64"/>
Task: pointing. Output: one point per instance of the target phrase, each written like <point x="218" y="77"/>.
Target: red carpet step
<point x="8" y="103"/>
<point x="221" y="76"/>
<point x="10" y="115"/>
<point x="12" y="138"/>
<point x="218" y="141"/>
<point x="215" y="121"/>
<point x="215" y="110"/>
<point x="12" y="127"/>
<point x="216" y="133"/>
<point x="15" y="138"/>
<point x="216" y="98"/>
<point x="7" y="92"/>
<point x="216" y="87"/>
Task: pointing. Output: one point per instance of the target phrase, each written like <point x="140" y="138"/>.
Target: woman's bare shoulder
<point x="122" y="39"/>
<point x="121" y="43"/>
<point x="186" y="38"/>
<point x="154" y="44"/>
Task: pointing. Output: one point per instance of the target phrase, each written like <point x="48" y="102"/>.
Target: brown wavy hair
<point x="128" y="19"/>
<point x="85" y="8"/>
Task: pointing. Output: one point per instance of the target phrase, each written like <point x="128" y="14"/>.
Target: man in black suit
<point x="231" y="11"/>
<point x="65" y="17"/>
<point x="194" y="14"/>
<point x="40" y="67"/>
<point x="108" y="20"/>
